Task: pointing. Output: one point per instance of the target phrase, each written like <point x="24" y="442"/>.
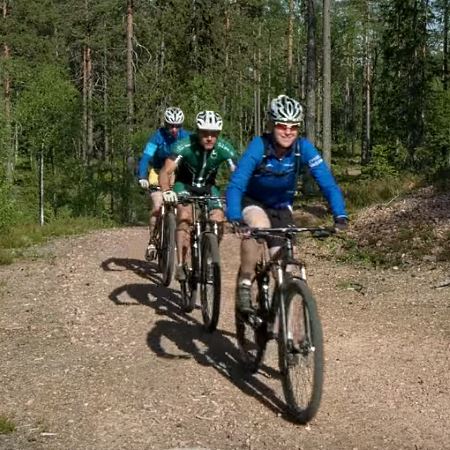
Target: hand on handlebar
<point x="241" y="229"/>
<point x="143" y="183"/>
<point x="170" y="197"/>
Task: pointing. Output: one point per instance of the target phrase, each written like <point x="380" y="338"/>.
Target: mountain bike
<point x="164" y="239"/>
<point x="290" y="303"/>
<point x="203" y="269"/>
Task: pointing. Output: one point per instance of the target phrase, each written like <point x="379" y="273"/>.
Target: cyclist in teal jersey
<point x="195" y="162"/>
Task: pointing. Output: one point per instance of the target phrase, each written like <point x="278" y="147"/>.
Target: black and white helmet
<point x="173" y="116"/>
<point x="209" y="120"/>
<point x="285" y="109"/>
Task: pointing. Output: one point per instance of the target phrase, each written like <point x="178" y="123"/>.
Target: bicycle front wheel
<point x="210" y="281"/>
<point x="300" y="351"/>
<point x="167" y="252"/>
<point x="189" y="286"/>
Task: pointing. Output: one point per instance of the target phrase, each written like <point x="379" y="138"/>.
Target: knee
<point x="183" y="223"/>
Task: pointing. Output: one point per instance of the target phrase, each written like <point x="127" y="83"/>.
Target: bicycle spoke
<point x="210" y="281"/>
<point x="301" y="353"/>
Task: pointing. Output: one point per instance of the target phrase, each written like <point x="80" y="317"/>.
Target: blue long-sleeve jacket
<point x="157" y="149"/>
<point x="275" y="185"/>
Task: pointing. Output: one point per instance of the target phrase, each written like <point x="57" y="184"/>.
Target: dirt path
<point x="95" y="355"/>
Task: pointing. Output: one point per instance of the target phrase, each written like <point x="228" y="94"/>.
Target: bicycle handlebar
<point x="317" y="232"/>
<point x="199" y="198"/>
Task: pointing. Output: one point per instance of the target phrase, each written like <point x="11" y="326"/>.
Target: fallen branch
<point x="443" y="284"/>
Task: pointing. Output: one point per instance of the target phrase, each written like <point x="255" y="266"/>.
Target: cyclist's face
<point x="285" y="133"/>
<point x="173" y="129"/>
<point x="208" y="138"/>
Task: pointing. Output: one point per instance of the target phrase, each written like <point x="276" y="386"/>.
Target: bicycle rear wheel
<point x="167" y="247"/>
<point x="251" y="337"/>
<point x="210" y="281"/>
<point x="300" y="351"/>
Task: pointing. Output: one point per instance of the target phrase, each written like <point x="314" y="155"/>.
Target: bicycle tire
<point x="185" y="296"/>
<point x="168" y="247"/>
<point x="158" y="240"/>
<point x="189" y="288"/>
<point x="299" y="349"/>
<point x="252" y="342"/>
<point x="210" y="277"/>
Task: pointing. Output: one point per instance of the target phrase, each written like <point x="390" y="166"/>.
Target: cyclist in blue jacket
<point x="262" y="188"/>
<point x="156" y="151"/>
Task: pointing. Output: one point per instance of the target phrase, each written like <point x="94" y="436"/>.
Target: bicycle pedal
<point x="293" y="359"/>
<point x="255" y="321"/>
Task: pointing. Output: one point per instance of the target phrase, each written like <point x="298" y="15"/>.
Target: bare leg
<point x="254" y="217"/>
<point x="156" y="203"/>
<point x="184" y="222"/>
<point x="217" y="215"/>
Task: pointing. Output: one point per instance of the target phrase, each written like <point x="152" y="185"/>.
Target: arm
<point x="229" y="154"/>
<point x="166" y="173"/>
<point x="241" y="177"/>
<point x="324" y="178"/>
<point x="149" y="150"/>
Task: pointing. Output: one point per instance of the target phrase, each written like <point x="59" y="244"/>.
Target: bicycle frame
<point x="200" y="224"/>
<point x="277" y="264"/>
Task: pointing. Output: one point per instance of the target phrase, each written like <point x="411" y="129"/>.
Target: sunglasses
<point x="170" y="125"/>
<point x="287" y="126"/>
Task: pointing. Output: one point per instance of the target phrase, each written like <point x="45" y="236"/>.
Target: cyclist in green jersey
<point x="195" y="161"/>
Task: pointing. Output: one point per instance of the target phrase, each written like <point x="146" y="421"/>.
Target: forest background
<point x="84" y="83"/>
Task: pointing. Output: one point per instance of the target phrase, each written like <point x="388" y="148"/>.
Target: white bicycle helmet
<point x="173" y="116"/>
<point x="285" y="109"/>
<point x="209" y="120"/>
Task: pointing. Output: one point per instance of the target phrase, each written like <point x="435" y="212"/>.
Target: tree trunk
<point x="446" y="73"/>
<point x="310" y="119"/>
<point x="106" y="150"/>
<point x="130" y="75"/>
<point x="257" y="86"/>
<point x="90" y="123"/>
<point x="289" y="81"/>
<point x="227" y="59"/>
<point x="366" y="141"/>
<point x="311" y="72"/>
<point x="41" y="186"/>
<point x="326" y="70"/>
<point x="84" y="151"/>
<point x="9" y="148"/>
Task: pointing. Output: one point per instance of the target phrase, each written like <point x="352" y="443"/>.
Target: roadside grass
<point x="14" y="241"/>
<point x="6" y="425"/>
<point x="362" y="192"/>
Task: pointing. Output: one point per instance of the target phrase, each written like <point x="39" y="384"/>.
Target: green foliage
<point x="8" y="208"/>
<point x="386" y="161"/>
<point x="7" y="426"/>
<point x="365" y="192"/>
<point x="434" y="155"/>
<point x="47" y="109"/>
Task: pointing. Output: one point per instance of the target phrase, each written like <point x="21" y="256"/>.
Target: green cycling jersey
<point x="198" y="167"/>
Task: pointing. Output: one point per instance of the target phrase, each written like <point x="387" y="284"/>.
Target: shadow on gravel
<point x="215" y="350"/>
<point x="144" y="269"/>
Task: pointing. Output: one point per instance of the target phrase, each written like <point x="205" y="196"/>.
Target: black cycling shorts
<point x="279" y="218"/>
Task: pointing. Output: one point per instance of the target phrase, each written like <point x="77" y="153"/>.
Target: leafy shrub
<point x="386" y="161"/>
<point x="8" y="209"/>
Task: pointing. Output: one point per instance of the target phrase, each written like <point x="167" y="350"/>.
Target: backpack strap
<point x="261" y="169"/>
